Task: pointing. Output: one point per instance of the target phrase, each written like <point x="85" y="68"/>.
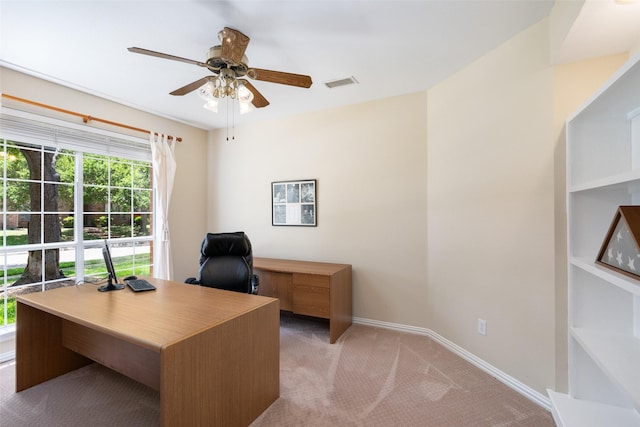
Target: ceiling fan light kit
<point x="229" y="64"/>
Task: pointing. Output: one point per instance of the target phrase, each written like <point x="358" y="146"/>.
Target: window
<point x="63" y="192"/>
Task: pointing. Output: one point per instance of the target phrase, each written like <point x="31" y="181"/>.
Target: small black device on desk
<point x="133" y="282"/>
<point x="138" y="285"/>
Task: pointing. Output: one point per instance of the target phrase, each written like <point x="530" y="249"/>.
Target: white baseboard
<point x="531" y="394"/>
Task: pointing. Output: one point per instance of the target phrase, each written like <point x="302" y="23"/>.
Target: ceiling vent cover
<point x="341" y="82"/>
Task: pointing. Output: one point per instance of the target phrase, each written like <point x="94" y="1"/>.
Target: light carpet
<point x="369" y="377"/>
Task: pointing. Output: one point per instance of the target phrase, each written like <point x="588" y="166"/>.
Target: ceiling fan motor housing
<point x="215" y="60"/>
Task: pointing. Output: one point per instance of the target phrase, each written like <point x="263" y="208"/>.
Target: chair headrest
<point x="217" y="244"/>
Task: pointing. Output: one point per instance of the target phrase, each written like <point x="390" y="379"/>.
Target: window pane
<point x="95" y="198"/>
<point x="65" y="197"/>
<point x="120" y="200"/>
<point x="52" y="228"/>
<point x="121" y="225"/>
<point x="16" y="236"/>
<point x="15" y="264"/>
<point x="95" y="170"/>
<point x="142" y="201"/>
<point x="9" y="301"/>
<point x="94" y="266"/>
<point x="121" y="173"/>
<point x="65" y="166"/>
<point x="142" y="175"/>
<point x="68" y="261"/>
<point x="18" y="198"/>
<point x="142" y="225"/>
<point x="95" y="227"/>
<point x="131" y="258"/>
<point x="67" y="227"/>
<point x="16" y="163"/>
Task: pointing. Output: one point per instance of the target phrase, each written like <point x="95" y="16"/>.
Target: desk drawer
<point x="311" y="301"/>
<point x="311" y="280"/>
<point x="276" y="285"/>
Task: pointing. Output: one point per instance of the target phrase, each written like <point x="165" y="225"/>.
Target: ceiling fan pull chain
<point x="227" y="120"/>
<point x="233" y="120"/>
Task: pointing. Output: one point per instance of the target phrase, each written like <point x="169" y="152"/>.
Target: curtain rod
<point x="85" y="118"/>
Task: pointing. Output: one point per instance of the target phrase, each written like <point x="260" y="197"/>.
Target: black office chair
<point x="226" y="262"/>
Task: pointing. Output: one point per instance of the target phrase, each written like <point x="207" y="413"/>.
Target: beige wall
<point x="490" y="208"/>
<point x="187" y="216"/>
<point x="369" y="160"/>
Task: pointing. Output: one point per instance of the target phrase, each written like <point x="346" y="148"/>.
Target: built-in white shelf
<point x="618" y="355"/>
<point x="617" y="279"/>
<point x="569" y="412"/>
<point x="621" y="181"/>
<point x="603" y="173"/>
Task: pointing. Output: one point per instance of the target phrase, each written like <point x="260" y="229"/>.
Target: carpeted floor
<point x="369" y="377"/>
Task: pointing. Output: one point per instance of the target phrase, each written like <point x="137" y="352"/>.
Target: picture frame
<point x="620" y="250"/>
<point x="294" y="203"/>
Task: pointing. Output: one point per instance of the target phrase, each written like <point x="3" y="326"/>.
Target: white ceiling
<point x="390" y="47"/>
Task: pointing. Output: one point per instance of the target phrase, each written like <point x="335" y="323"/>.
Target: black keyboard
<point x="138" y="285"/>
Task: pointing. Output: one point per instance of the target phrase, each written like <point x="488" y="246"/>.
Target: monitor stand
<point x="110" y="286"/>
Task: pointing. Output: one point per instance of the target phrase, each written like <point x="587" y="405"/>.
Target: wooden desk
<point x="317" y="289"/>
<point x="213" y="355"/>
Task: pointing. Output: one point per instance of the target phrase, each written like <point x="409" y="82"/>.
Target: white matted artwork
<point x="294" y="203"/>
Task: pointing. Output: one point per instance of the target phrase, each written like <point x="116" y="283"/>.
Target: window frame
<point x="51" y="133"/>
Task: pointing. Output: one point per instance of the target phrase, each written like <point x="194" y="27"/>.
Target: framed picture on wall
<point x="294" y="203"/>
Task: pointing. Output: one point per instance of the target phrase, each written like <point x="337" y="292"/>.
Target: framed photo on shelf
<point x="294" y="203"/>
<point x="620" y="250"/>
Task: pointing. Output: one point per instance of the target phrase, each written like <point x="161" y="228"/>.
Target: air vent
<point x="341" y="82"/>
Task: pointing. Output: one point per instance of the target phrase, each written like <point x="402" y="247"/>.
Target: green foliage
<point x="11" y="311"/>
<point x="67" y="222"/>
<point x="17" y="239"/>
<point x="17" y="169"/>
<point x="16" y="163"/>
<point x="65" y="166"/>
<point x="102" y="221"/>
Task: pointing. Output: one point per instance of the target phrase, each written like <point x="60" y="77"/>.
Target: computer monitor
<point x="112" y="285"/>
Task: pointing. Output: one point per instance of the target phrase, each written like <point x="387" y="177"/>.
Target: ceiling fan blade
<point x="191" y="86"/>
<point x="280" y="77"/>
<point x="234" y="43"/>
<point x="259" y="101"/>
<point x="166" y="56"/>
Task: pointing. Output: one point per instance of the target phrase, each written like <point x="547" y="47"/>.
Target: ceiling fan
<point x="229" y="64"/>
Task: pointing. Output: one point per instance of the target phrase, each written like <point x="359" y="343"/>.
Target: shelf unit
<point x="603" y="172"/>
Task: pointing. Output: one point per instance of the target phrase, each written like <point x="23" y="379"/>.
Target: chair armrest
<point x="255" y="284"/>
<point x="192" y="281"/>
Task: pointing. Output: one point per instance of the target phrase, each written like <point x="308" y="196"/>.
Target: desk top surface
<point x="293" y="266"/>
<point x="154" y="319"/>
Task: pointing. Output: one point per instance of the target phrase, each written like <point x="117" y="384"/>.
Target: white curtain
<point x="164" y="169"/>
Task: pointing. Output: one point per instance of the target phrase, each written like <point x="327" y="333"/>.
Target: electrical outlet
<point x="482" y="327"/>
